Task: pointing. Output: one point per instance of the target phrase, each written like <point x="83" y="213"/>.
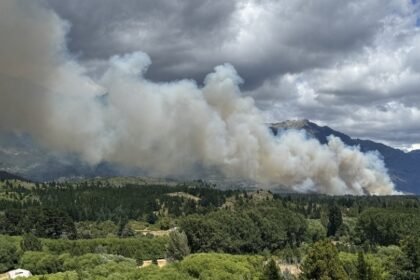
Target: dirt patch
<point x="185" y="195"/>
<point x="292" y="268"/>
<point x="160" y="263"/>
<point x="153" y="232"/>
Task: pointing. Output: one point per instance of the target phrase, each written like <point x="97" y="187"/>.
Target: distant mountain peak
<point x="305" y="124"/>
<point x="290" y="124"/>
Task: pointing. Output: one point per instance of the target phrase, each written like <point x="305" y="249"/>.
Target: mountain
<point x="21" y="155"/>
<point x="403" y="167"/>
<point x="9" y="176"/>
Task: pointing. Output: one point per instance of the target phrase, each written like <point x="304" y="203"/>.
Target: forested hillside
<point x="95" y="230"/>
<point x="24" y="156"/>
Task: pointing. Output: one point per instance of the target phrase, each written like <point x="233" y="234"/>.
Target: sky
<point x="352" y="65"/>
<point x="186" y="88"/>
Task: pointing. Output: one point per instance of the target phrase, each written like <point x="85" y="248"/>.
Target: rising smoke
<point x="163" y="128"/>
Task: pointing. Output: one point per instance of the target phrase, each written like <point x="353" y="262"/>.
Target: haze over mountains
<point x="20" y="155"/>
<point x="403" y="167"/>
<point x="115" y="112"/>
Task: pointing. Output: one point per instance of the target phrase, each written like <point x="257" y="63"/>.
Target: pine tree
<point x="362" y="267"/>
<point x="30" y="243"/>
<point x="322" y="262"/>
<point x="271" y="271"/>
<point x="335" y="220"/>
<point x="407" y="266"/>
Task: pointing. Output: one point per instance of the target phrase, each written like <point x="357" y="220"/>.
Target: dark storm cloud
<point x="96" y="24"/>
<point x="163" y="129"/>
<point x="187" y="38"/>
<point x="172" y="32"/>
<point x="351" y="64"/>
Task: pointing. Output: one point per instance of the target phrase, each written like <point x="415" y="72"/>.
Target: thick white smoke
<point x="164" y="128"/>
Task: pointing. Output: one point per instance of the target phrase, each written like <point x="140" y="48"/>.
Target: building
<point x="13" y="274"/>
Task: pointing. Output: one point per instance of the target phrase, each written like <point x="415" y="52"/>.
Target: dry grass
<point x="160" y="263"/>
<point x="292" y="268"/>
<point x="257" y="196"/>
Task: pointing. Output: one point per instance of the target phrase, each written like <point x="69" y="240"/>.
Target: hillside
<point x="19" y="154"/>
<point x="9" y="176"/>
<point x="94" y="231"/>
<point x="403" y="167"/>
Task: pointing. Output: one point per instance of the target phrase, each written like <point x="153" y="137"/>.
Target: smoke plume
<point x="163" y="128"/>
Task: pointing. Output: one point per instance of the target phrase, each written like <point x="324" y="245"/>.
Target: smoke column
<point x="163" y="128"/>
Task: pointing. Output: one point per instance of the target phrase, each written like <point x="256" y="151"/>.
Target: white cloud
<point x="373" y="93"/>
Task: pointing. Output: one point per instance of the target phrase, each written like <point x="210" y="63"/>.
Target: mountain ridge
<point x="20" y="155"/>
<point x="403" y="167"/>
<point x="9" y="176"/>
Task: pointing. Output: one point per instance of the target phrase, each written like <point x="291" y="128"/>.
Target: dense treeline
<point x="96" y="209"/>
<point x="138" y="248"/>
<point x="97" y="201"/>
<point x="51" y="210"/>
<point x="246" y="230"/>
<point x="387" y="227"/>
<point x="312" y="205"/>
<point x="43" y="222"/>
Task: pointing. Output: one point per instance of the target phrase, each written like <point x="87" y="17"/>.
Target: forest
<point x="99" y="230"/>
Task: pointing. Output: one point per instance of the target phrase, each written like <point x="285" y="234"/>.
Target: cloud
<point x="164" y="128"/>
<point x="179" y="45"/>
<point x="373" y="93"/>
<point x="261" y="39"/>
<point x="323" y="60"/>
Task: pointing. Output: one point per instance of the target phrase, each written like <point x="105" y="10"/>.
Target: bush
<point x="8" y="254"/>
<point x="222" y="266"/>
<point x="177" y="247"/>
<point x="30" y="242"/>
<point x="41" y="262"/>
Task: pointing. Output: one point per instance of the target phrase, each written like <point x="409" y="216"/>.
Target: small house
<point x="13" y="274"/>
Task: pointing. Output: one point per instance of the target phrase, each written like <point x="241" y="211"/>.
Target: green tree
<point x="364" y="270"/>
<point x="271" y="271"/>
<point x="315" y="232"/>
<point x="177" y="247"/>
<point x="407" y="266"/>
<point x="335" y="220"/>
<point x="152" y="218"/>
<point x="29" y="242"/>
<point x="121" y="226"/>
<point x="322" y="262"/>
<point x="127" y="231"/>
<point x="8" y="254"/>
<point x="41" y="262"/>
